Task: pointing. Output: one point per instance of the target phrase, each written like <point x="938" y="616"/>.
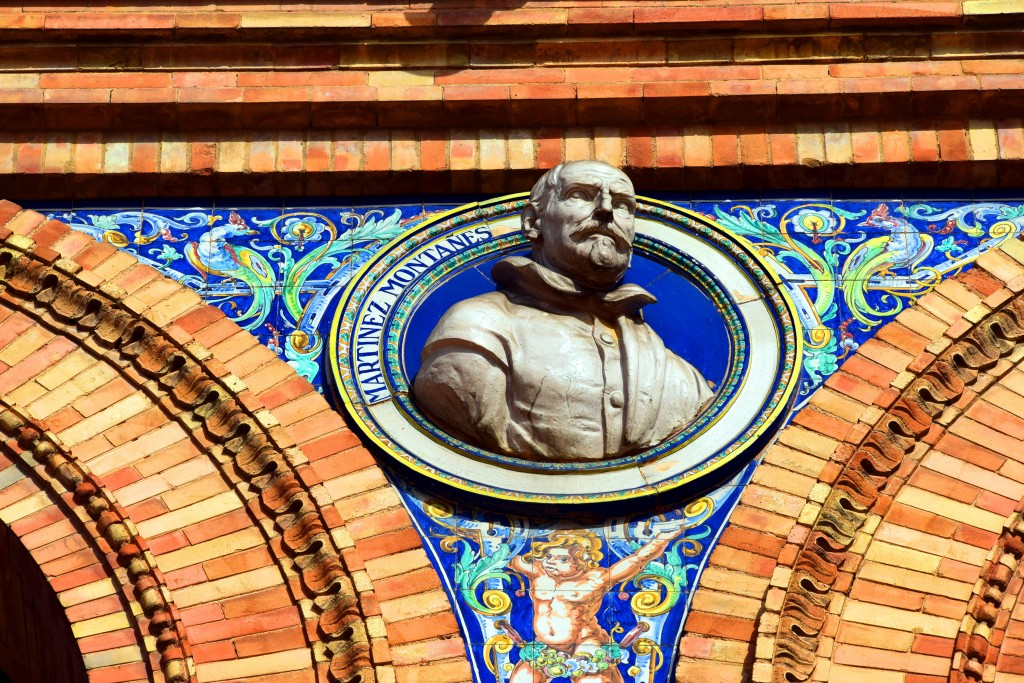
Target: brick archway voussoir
<point x="797" y="540"/>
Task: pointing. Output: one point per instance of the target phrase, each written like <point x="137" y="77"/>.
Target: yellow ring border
<point x="653" y="489"/>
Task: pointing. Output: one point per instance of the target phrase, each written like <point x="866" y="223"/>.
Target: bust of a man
<point x="558" y="364"/>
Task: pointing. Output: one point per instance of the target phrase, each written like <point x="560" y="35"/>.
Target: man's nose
<point x="604" y="205"/>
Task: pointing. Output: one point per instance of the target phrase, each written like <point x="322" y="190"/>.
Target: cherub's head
<point x="567" y="553"/>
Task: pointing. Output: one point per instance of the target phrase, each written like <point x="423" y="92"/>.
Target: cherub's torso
<point x="565" y="609"/>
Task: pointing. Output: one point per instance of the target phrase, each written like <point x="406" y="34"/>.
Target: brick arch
<point x="991" y="635"/>
<point x="73" y="527"/>
<point x="288" y="514"/>
<point x="36" y="641"/>
<point x="845" y="557"/>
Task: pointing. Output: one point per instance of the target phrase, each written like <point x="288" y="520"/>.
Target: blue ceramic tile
<point x="741" y="219"/>
<point x="304" y="352"/>
<point x="175" y="229"/>
<point x="115" y="226"/>
<point x="868" y="219"/>
<point x="240" y="225"/>
<point x="248" y="303"/>
<point x="229" y="203"/>
<point x="435" y="208"/>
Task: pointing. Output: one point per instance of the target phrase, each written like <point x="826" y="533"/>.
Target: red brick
<point x="204" y="156"/>
<point x="543" y="91"/>
<point x="246" y="560"/>
<point x="601" y="15"/>
<point x="477" y="92"/>
<point x="720" y="626"/>
<point x="104" y="79"/>
<point x="1011" y="139"/>
<point x="492" y="77"/>
<point x="217" y="526"/>
<point x="123" y="672"/>
<point x="271" y="641"/>
<point x="682" y="89"/>
<point x="725" y="147"/>
<point x="753" y="541"/>
<point x="412" y="630"/>
<point x="388" y="544"/>
<point x="640" y="149"/>
<point x="243" y="626"/>
<point x="418" y="581"/>
<point x="881" y="594"/>
<point x="549" y="149"/>
<point x="104" y="641"/>
<point x="909" y="13"/>
<point x="806" y="15"/>
<point x="213" y="652"/>
<point x="694" y="17"/>
<point x="783" y="147"/>
<point x="434" y="154"/>
<point x="754" y="147"/>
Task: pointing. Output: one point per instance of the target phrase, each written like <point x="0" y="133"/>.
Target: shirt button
<point x="616" y="399"/>
<point x="606" y="338"/>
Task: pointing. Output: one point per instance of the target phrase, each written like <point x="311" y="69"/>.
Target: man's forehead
<point x="595" y="173"/>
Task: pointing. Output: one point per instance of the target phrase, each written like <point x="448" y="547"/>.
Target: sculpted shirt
<point x="545" y="370"/>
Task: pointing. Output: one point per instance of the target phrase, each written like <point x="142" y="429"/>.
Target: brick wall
<point x="879" y="539"/>
<point x="275" y="547"/>
<point x="35" y="643"/>
<point x="448" y="96"/>
<point x="903" y="568"/>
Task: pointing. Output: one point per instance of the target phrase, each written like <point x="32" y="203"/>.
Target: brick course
<point x="186" y="101"/>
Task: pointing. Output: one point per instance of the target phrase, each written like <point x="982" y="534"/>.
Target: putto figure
<point x="558" y="364"/>
<point x="567" y="584"/>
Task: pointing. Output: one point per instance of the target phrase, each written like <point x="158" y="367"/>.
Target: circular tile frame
<point x="747" y="409"/>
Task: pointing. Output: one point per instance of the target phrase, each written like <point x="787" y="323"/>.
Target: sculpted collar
<point x="525" y="275"/>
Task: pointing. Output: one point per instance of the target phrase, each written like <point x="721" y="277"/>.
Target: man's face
<point x="559" y="563"/>
<point x="585" y="228"/>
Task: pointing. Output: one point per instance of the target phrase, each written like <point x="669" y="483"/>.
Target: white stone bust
<point x="558" y="364"/>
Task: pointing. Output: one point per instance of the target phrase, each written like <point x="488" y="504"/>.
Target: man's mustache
<point x="596" y="227"/>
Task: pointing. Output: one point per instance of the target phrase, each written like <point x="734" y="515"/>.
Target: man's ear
<point x="531" y="223"/>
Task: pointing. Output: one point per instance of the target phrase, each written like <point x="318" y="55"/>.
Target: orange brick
<point x="421" y="628"/>
<point x="420" y="580"/>
<point x="720" y="626"/>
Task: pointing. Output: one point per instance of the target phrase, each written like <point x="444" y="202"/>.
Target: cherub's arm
<point x="630" y="566"/>
<point x="522" y="566"/>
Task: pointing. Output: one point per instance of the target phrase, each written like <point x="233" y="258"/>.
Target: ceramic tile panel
<point x="851" y="261"/>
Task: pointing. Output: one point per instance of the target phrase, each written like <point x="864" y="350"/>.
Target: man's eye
<point x="577" y="194"/>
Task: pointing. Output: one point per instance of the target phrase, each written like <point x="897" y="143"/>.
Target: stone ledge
<point x="539" y="20"/>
